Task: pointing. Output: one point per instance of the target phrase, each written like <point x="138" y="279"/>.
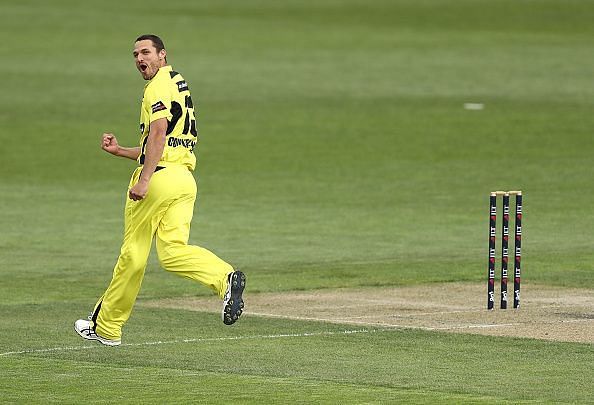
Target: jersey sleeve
<point x="157" y="100"/>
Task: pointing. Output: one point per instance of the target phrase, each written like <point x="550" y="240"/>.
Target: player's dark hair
<point x="157" y="42"/>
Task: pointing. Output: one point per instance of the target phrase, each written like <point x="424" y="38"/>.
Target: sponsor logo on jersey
<point x="182" y="86"/>
<point x="158" y="106"/>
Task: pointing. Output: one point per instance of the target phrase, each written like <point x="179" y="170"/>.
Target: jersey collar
<point x="162" y="70"/>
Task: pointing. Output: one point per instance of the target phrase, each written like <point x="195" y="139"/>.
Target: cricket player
<point x="160" y="202"/>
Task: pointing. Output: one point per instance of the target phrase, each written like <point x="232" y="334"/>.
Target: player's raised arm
<point x="109" y="143"/>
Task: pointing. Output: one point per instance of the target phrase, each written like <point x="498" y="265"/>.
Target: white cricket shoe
<point x="85" y="330"/>
<point x="233" y="302"/>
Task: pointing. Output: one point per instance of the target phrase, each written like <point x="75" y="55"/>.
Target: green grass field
<point x="335" y="151"/>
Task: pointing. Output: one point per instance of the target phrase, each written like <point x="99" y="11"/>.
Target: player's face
<point x="148" y="60"/>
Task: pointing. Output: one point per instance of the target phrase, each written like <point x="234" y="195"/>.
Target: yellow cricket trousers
<point x="165" y="212"/>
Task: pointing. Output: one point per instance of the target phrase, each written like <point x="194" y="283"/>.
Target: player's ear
<point x="163" y="54"/>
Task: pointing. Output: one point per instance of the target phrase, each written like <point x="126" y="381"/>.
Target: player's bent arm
<point x="109" y="143"/>
<point x="154" y="148"/>
<point x="130" y="153"/>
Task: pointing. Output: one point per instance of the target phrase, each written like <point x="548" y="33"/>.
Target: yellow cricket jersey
<point x="167" y="95"/>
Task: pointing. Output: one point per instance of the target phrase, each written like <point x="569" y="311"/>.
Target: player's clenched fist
<point x="109" y="143"/>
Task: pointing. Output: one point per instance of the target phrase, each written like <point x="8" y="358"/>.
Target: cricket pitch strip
<point x="558" y="314"/>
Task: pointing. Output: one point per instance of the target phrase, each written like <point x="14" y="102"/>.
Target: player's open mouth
<point x="143" y="67"/>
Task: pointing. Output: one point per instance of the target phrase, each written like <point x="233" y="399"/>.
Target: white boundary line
<point x="401" y="326"/>
<point x="199" y="340"/>
<point x="382" y="324"/>
<point x="386" y="327"/>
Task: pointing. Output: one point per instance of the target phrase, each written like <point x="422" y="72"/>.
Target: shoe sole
<point x="234" y="306"/>
<point x="98" y="339"/>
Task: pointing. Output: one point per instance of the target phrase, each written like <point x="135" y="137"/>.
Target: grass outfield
<point x="266" y="360"/>
<point x="334" y="152"/>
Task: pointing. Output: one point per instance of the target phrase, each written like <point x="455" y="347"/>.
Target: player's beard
<point x="150" y="71"/>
